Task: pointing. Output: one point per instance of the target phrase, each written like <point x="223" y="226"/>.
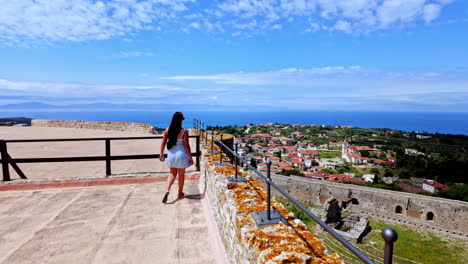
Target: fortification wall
<point x="245" y="242"/>
<point x="114" y="126"/>
<point x="437" y="215"/>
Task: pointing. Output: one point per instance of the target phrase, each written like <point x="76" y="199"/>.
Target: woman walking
<point x="178" y="153"/>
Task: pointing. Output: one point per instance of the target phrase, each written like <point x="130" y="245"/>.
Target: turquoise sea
<point x="449" y="123"/>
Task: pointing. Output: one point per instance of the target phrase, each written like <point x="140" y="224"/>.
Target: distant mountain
<point x="29" y="105"/>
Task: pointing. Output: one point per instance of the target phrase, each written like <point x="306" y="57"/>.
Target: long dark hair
<point x="174" y="129"/>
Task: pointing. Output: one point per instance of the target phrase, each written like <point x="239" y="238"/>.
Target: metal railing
<point x="388" y="234"/>
<point x="6" y="159"/>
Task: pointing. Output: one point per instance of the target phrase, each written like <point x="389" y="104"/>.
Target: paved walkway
<point x="107" y="224"/>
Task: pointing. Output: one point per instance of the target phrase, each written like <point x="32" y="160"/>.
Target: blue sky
<point x="366" y="55"/>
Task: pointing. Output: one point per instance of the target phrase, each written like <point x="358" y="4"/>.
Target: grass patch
<point x="329" y="154"/>
<point x="412" y="246"/>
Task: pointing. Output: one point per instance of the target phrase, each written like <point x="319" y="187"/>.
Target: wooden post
<point x="5" y="168"/>
<point x="108" y="156"/>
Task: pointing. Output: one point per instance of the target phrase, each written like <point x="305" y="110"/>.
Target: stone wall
<point x="449" y="217"/>
<point x="245" y="242"/>
<point x="114" y="126"/>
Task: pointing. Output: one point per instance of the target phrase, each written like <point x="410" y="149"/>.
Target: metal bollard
<point x="390" y="236"/>
<point x="268" y="189"/>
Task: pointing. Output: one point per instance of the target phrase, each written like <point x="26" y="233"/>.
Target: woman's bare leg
<point x="181" y="173"/>
<point x="171" y="178"/>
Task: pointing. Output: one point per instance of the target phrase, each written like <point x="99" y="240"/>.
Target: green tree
<point x="456" y="192"/>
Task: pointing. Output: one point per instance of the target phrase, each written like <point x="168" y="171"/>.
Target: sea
<point x="446" y="123"/>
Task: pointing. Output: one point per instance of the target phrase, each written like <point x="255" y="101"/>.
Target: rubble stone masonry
<point x="114" y="126"/>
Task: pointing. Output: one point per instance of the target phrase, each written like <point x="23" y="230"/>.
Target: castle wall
<point x="449" y="217"/>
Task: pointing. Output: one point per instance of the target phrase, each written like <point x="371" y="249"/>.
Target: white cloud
<point x="47" y="21"/>
<point x="81" y="20"/>
<point x="350" y="85"/>
<point x="343" y="86"/>
<point x="348" y="16"/>
<point x="283" y="76"/>
<point x="431" y="12"/>
<point x="343" y="26"/>
<point x="70" y="93"/>
<point x="129" y="54"/>
<point x="276" y="27"/>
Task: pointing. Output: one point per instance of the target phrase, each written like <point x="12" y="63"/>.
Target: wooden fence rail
<point x="7" y="160"/>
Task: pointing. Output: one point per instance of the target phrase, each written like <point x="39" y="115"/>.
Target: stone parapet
<point x="437" y="215"/>
<point x="114" y="126"/>
<point x="244" y="242"/>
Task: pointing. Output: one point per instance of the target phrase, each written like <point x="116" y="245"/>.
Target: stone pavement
<point x="107" y="224"/>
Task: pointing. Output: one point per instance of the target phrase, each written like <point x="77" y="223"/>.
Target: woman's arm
<point x="187" y="147"/>
<point x="163" y="145"/>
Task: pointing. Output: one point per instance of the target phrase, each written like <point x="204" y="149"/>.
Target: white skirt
<point x="177" y="157"/>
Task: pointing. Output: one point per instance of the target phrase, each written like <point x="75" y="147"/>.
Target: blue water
<point x="449" y="123"/>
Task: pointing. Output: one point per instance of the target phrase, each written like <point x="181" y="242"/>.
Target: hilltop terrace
<point x="73" y="212"/>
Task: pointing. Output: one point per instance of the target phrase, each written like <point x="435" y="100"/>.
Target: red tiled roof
<point x="341" y="178"/>
<point x="437" y="185"/>
<point x="320" y="174"/>
<point x="297" y="162"/>
<point x="261" y="135"/>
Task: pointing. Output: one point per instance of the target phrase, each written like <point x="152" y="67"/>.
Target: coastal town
<point x="338" y="154"/>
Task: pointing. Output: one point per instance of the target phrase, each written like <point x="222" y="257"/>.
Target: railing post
<point x="108" y="158"/>
<point x="390" y="236"/>
<point x="235" y="161"/>
<point x="203" y="132"/>
<point x="220" y="150"/>
<point x="212" y="140"/>
<point x="198" y="153"/>
<point x="5" y="168"/>
<point x="268" y="189"/>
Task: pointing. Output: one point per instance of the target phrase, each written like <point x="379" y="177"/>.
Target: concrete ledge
<point x="244" y="242"/>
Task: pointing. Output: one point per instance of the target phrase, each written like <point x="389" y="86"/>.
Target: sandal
<point x="164" y="200"/>
<point x="182" y="195"/>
